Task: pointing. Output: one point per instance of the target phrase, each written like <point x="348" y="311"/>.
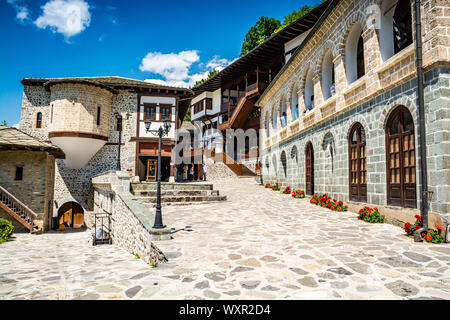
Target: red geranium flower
<point x="438" y="227"/>
<point x="429" y="238"/>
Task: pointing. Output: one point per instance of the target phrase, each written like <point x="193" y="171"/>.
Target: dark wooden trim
<point x="309" y="156"/>
<point x="77" y="135"/>
<point x="359" y="144"/>
<point x="400" y="111"/>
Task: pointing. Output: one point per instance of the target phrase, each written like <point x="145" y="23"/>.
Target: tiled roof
<point x="113" y="82"/>
<point x="12" y="138"/>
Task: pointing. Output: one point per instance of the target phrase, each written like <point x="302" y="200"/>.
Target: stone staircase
<point x="176" y="193"/>
<point x="19" y="211"/>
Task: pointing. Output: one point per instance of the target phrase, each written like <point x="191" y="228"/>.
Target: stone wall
<point x="75" y="184"/>
<point x="35" y="190"/>
<point x="73" y="108"/>
<point x="131" y="220"/>
<point x="217" y="170"/>
<point x="388" y="82"/>
<point x="34" y="100"/>
<point x="331" y="173"/>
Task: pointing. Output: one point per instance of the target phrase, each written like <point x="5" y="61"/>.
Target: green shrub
<point x="370" y="215"/>
<point x="6" y="229"/>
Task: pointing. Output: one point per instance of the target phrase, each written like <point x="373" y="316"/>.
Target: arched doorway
<point x="400" y="159"/>
<point x="309" y="169"/>
<point x="71" y="214"/>
<point x="357" y="161"/>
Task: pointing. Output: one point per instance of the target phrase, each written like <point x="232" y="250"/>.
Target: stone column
<point x="340" y="79"/>
<point x="301" y="104"/>
<point x="372" y="58"/>
<point x="318" y="96"/>
<point x="288" y="113"/>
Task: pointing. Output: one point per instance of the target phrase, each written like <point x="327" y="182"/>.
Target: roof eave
<point x="316" y="26"/>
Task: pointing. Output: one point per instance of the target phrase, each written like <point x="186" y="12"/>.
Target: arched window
<point x="267" y="125"/>
<point x="294" y="103"/>
<point x="360" y="58"/>
<point x="400" y="159"/>
<point x="39" y="120"/>
<point x="357" y="163"/>
<point x="402" y="28"/>
<point x="283" y="115"/>
<point x="309" y="90"/>
<point x="354" y="54"/>
<point x="396" y="27"/>
<point x="328" y="82"/>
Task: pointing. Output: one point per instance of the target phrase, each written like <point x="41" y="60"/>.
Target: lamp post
<point x="162" y="131"/>
<point x="119" y="128"/>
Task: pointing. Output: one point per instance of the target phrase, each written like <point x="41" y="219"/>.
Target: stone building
<point x="227" y="100"/>
<point x="27" y="168"/>
<point x="82" y="117"/>
<point x="356" y="133"/>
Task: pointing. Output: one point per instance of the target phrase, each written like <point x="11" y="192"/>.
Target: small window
<point x="39" y="120"/>
<point x="51" y="113"/>
<point x="150" y="112"/>
<point x="19" y="174"/>
<point x="99" y="110"/>
<point x="165" y="113"/>
<point x="209" y="104"/>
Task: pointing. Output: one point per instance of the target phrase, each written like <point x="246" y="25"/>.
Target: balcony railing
<point x="260" y="86"/>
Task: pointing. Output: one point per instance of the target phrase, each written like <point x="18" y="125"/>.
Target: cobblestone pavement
<point x="260" y="244"/>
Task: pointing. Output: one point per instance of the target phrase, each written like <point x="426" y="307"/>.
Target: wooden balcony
<point x="256" y="88"/>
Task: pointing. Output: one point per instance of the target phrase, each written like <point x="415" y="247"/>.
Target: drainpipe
<point x="421" y="103"/>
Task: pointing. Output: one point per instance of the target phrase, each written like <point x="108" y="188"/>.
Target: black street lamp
<point x="162" y="131"/>
<point x="119" y="128"/>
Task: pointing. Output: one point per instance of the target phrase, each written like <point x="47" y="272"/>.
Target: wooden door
<point x="152" y="168"/>
<point x="66" y="218"/>
<point x="71" y="214"/>
<point x="309" y="169"/>
<point x="400" y="159"/>
<point x="357" y="161"/>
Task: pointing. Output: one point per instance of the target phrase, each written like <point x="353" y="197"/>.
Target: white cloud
<point x="68" y="17"/>
<point x="22" y="12"/>
<point x="175" y="67"/>
<point x="216" y="63"/>
<point x="187" y="83"/>
<point x="172" y="66"/>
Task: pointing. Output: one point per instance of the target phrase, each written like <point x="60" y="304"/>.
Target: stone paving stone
<point x="251" y="247"/>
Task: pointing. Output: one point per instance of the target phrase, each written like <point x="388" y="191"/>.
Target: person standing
<point x="204" y="172"/>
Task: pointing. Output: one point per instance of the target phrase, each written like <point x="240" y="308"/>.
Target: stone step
<point x="153" y="205"/>
<point x="152" y="193"/>
<point x="172" y="186"/>
<point x="181" y="199"/>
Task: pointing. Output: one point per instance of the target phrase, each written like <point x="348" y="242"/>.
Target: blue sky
<point x="172" y="42"/>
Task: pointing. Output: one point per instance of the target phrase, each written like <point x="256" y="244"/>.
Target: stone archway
<point x="71" y="215"/>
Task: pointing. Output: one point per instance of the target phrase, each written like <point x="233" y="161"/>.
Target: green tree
<point x="257" y="34"/>
<point x="294" y="15"/>
<point x="187" y="116"/>
<point x="211" y="74"/>
<point x="3" y="123"/>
